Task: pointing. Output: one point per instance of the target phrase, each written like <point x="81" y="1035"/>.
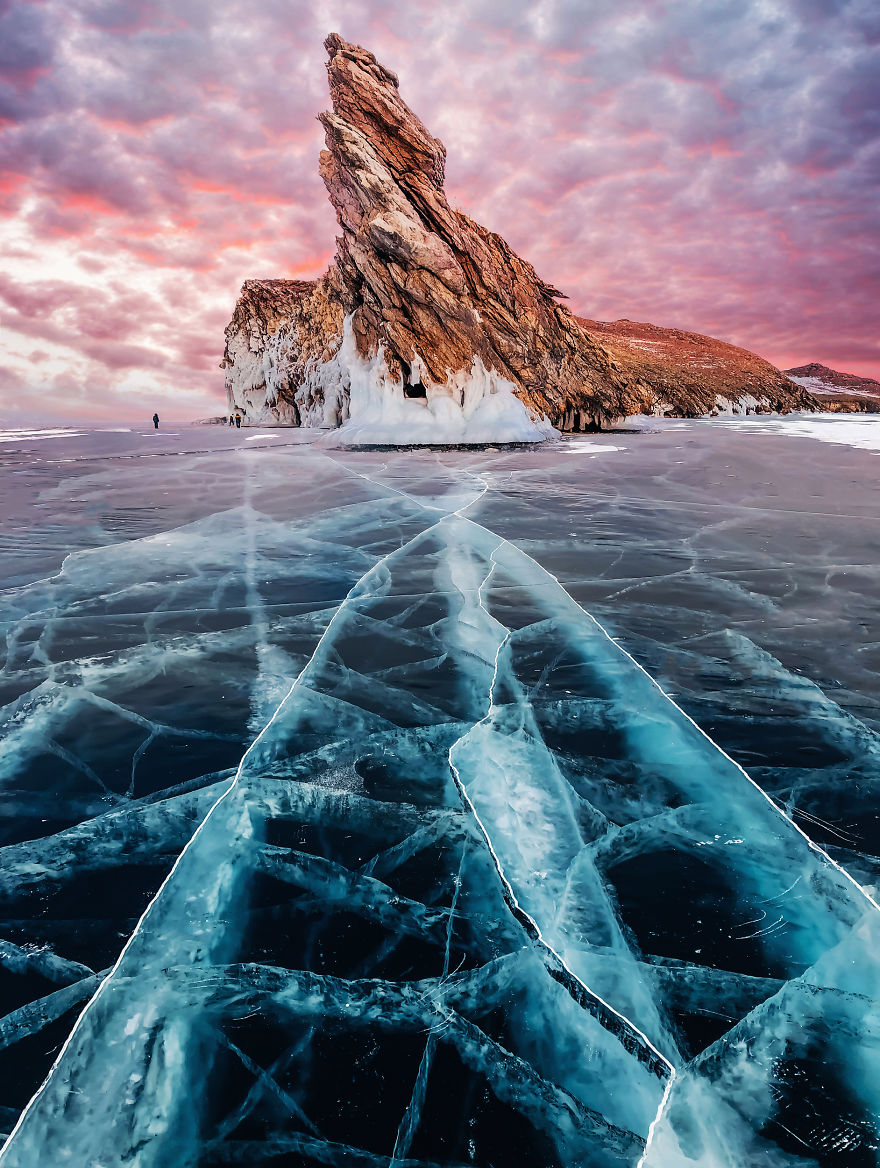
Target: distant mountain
<point x="839" y="392"/>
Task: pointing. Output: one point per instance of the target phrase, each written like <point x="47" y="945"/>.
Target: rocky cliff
<point x="422" y="304"/>
<point x="281" y="332"/>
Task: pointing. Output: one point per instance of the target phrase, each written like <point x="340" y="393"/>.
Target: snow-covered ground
<point x="819" y="387"/>
<point x="860" y="430"/>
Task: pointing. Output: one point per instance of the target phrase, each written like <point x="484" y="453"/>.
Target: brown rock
<point x="692" y="374"/>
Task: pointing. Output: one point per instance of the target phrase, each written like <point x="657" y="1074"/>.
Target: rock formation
<point x="280" y="332"/>
<point x="424" y="303"/>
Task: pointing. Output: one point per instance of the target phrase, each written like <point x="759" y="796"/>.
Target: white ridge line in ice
<point x="470" y="503"/>
<point x="810" y="843"/>
<point x="779" y="810"/>
<point x="667" y="1091"/>
<point x="473" y="810"/>
<point x="507" y="885"/>
<point x="381" y="486"/>
<point x="232" y="783"/>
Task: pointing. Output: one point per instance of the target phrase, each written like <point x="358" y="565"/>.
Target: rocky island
<point x="430" y="326"/>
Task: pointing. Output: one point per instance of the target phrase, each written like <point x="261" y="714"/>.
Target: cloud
<point x="702" y="164"/>
<point x="26" y="47"/>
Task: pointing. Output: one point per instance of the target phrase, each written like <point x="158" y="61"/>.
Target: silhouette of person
<point x="155" y="421"/>
<point x="238" y="421"/>
<point x="231" y="420"/>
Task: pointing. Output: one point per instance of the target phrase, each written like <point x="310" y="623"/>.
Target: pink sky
<point x="701" y="164"/>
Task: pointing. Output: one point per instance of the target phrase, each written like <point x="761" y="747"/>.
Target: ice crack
<point x="634" y="1040"/>
<point x="356" y="592"/>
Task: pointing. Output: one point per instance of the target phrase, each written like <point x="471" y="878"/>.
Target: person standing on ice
<point x="238" y="421"/>
<point x="155" y="421"/>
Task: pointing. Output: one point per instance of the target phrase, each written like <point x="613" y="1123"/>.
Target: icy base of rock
<point x="440" y="420"/>
<point x="745" y="403"/>
<point x="476" y="406"/>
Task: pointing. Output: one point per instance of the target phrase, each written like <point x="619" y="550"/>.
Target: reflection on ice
<point x="443" y="876"/>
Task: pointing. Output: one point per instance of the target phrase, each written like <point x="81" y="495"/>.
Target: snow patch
<point x="37" y="435"/>
<point x="648" y="346"/>
<point x="591" y="448"/>
<point x="845" y="429"/>
<point x="814" y="385"/>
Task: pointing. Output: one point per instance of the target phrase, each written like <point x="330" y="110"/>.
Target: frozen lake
<point x="419" y="808"/>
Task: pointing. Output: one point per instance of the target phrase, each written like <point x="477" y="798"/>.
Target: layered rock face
<point x="423" y="303"/>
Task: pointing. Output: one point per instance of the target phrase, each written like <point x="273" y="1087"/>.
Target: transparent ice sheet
<point x="466" y="886"/>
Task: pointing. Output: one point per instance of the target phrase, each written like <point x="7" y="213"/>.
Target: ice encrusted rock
<point x="471" y="406"/>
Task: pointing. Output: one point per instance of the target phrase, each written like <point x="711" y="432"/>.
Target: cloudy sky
<point x="707" y="164"/>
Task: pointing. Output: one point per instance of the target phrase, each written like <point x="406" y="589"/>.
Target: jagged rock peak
<point x="365" y="93"/>
<point x="432" y="288"/>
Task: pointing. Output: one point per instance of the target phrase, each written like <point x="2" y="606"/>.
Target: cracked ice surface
<point x="455" y="882"/>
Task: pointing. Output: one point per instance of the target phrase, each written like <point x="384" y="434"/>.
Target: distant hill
<point x="839" y="392"/>
<point x="692" y="374"/>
